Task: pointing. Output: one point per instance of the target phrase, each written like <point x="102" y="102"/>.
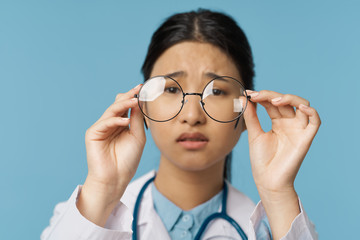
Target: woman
<point x="196" y="57"/>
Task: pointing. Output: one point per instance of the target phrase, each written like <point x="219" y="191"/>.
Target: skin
<point x="191" y="177"/>
<point x="201" y="170"/>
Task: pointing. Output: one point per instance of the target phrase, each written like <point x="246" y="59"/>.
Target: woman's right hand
<point x="113" y="155"/>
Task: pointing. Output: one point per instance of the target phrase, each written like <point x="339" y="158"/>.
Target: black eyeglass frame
<point x="248" y="97"/>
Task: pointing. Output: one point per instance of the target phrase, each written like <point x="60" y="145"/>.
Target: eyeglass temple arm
<point x="237" y="121"/>
<point x="146" y="126"/>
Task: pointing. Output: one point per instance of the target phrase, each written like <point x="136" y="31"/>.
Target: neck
<point x="188" y="189"/>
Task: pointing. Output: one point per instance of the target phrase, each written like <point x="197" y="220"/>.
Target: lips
<point x="192" y="141"/>
<point x="192" y="137"/>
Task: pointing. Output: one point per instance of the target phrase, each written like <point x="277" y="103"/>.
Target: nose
<point x="192" y="112"/>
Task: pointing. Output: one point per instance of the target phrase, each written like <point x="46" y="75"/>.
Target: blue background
<point x="63" y="62"/>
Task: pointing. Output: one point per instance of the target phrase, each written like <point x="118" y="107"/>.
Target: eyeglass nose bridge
<point x="196" y="94"/>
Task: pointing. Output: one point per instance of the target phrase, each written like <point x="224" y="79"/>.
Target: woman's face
<point x="193" y="141"/>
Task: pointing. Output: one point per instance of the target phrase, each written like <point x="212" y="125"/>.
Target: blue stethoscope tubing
<point x="213" y="216"/>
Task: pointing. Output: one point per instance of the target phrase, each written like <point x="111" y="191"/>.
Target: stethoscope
<point x="213" y="216"/>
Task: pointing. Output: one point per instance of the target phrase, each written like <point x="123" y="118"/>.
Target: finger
<point x="103" y="129"/>
<point x="286" y="111"/>
<point x="119" y="108"/>
<point x="129" y="94"/>
<point x="272" y="111"/>
<point x="302" y="117"/>
<point x="314" y="119"/>
<point x="293" y="101"/>
<point x="252" y="121"/>
<point x="137" y="124"/>
<point x="263" y="95"/>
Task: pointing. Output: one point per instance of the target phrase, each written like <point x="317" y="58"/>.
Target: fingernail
<point x="276" y="99"/>
<point x="254" y="94"/>
<point x="137" y="86"/>
<point x="134" y="99"/>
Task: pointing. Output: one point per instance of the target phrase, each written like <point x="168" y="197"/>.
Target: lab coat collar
<point x="146" y="210"/>
<point x="219" y="228"/>
<point x="148" y="218"/>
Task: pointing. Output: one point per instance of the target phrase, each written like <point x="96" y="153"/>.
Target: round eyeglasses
<point x="223" y="99"/>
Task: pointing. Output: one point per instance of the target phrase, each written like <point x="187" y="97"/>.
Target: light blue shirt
<point x="183" y="225"/>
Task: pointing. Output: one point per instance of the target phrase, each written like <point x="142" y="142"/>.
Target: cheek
<point x="227" y="135"/>
<point x="160" y="133"/>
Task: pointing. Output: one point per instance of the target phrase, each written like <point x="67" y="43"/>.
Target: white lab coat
<point x="68" y="224"/>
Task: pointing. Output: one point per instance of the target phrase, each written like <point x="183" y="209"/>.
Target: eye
<point x="218" y="92"/>
<point x="172" y="90"/>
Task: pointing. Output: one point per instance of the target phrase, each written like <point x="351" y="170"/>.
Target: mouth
<point x="192" y="141"/>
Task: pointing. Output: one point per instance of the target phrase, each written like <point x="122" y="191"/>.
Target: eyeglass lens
<point x="162" y="98"/>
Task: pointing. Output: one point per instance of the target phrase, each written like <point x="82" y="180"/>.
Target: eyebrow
<point x="175" y="74"/>
<point x="182" y="73"/>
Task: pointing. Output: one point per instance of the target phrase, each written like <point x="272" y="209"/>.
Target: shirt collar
<point x="170" y="213"/>
<point x="202" y="211"/>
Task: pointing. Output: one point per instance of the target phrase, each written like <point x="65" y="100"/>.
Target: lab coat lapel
<point x="220" y="229"/>
<point x="150" y="225"/>
<point x="238" y="209"/>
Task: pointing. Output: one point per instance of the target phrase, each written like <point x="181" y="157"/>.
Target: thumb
<point x="252" y="121"/>
<point x="137" y="124"/>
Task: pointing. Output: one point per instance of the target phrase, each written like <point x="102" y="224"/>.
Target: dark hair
<point x="205" y="26"/>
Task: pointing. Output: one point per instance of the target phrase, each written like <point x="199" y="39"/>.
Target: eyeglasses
<point x="223" y="99"/>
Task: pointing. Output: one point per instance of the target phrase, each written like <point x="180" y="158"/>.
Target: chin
<point x="193" y="163"/>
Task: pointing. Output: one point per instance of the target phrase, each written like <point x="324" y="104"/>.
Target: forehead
<point x="195" y="59"/>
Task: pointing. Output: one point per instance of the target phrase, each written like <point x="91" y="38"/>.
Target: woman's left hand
<point x="276" y="155"/>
